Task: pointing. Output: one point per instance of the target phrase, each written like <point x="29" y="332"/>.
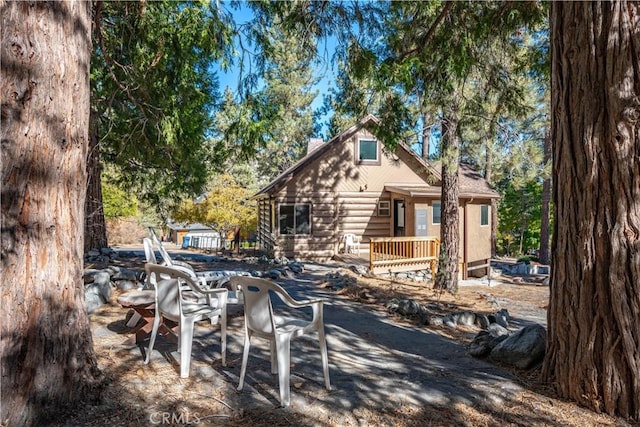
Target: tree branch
<point x="109" y="61"/>
<point x="423" y="42"/>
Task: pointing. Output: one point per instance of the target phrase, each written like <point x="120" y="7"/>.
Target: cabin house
<point x="390" y="201"/>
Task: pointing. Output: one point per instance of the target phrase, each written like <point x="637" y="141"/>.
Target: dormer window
<point x="368" y="151"/>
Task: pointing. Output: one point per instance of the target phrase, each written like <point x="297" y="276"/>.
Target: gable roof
<point x="313" y="154"/>
<point x="471" y="183"/>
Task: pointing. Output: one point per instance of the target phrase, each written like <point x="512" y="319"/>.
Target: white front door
<point x="421" y="210"/>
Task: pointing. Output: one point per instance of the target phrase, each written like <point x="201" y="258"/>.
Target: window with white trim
<point x="384" y="208"/>
<point x="484" y="215"/>
<point x="295" y="218"/>
<point x="436" y="212"/>
<point x="368" y="150"/>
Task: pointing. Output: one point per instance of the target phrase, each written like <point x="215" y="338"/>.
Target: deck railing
<point x="392" y="254"/>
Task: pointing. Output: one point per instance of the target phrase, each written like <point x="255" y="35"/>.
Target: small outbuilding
<point x="178" y="231"/>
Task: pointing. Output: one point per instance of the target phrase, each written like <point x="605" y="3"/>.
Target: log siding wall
<point x="344" y="195"/>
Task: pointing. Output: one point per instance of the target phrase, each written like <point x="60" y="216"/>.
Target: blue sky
<point x="325" y="70"/>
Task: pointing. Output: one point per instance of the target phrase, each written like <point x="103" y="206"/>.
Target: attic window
<point x="367" y="150"/>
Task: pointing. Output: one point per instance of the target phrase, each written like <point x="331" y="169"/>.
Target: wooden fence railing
<point x="403" y="253"/>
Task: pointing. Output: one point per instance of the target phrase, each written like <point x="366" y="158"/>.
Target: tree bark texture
<point x="95" y="227"/>
<point x="546" y="201"/>
<point x="593" y="346"/>
<point x="447" y="275"/>
<point x="47" y="348"/>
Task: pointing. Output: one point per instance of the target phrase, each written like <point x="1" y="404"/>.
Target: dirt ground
<point x="137" y="396"/>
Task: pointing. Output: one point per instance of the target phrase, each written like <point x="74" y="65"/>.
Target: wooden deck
<point x="396" y="254"/>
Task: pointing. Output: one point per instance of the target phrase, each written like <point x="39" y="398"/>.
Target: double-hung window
<point x="295" y="218"/>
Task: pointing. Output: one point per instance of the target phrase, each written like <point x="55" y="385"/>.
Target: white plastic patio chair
<point x="182" y="299"/>
<point x="166" y="258"/>
<point x="351" y="243"/>
<point x="151" y="258"/>
<point x="205" y="278"/>
<point x="260" y="321"/>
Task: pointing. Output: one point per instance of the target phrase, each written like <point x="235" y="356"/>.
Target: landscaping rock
<point x="103" y="291"/>
<point x="274" y="274"/>
<point x="487" y="340"/>
<point x="482" y="321"/>
<point x="126" y="285"/>
<point x="92" y="302"/>
<point x="359" y="269"/>
<point x="436" y="321"/>
<point x="296" y="267"/>
<point x="501" y="318"/>
<point x="466" y="318"/>
<point x="523" y="349"/>
<point x="119" y="273"/>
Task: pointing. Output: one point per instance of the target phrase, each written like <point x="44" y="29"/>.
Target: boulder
<point x="487" y="340"/>
<point x="274" y="274"/>
<point x="501" y="318"/>
<point x="408" y="307"/>
<point x="296" y="267"/>
<point x="126" y="285"/>
<point x="359" y="269"/>
<point x="482" y="321"/>
<point x="522" y="349"/>
<point x="436" y="321"/>
<point x="424" y="316"/>
<point x="119" y="273"/>
<point x="104" y="292"/>
<point x="466" y="318"/>
<point x="92" y="302"/>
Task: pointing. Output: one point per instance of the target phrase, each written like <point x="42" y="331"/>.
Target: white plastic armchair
<point x="260" y="321"/>
<point x="351" y="243"/>
<point x="166" y="258"/>
<point x="149" y="253"/>
<point x="182" y="299"/>
<point x="183" y="266"/>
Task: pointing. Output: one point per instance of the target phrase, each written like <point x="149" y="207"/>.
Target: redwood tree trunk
<point x="593" y="349"/>
<point x="546" y="200"/>
<point x="447" y="275"/>
<point x="95" y="228"/>
<point x="47" y="349"/>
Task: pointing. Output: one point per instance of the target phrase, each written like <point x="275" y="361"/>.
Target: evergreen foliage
<point x="154" y="92"/>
